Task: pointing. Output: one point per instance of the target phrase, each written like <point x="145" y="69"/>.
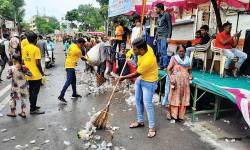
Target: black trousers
<point x="34" y="88"/>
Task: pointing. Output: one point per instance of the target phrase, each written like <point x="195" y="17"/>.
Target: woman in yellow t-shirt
<point x="145" y="85"/>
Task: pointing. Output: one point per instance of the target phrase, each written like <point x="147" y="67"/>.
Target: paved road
<point x="61" y="122"/>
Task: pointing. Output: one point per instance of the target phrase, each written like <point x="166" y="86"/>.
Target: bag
<point x="43" y="80"/>
<point x="93" y="55"/>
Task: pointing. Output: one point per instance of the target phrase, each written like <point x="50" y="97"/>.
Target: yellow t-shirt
<point x="24" y="43"/>
<point x="147" y="67"/>
<point x="74" y="53"/>
<point x="119" y="30"/>
<point x="130" y="53"/>
<point x="31" y="53"/>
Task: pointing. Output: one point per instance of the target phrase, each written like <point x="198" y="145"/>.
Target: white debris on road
<point x="19" y="147"/>
<point x="6" y="140"/>
<point x="33" y="142"/>
<point x="67" y="143"/>
<point x="4" y="130"/>
<point x="40" y="129"/>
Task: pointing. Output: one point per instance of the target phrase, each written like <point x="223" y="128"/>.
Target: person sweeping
<point x="145" y="85"/>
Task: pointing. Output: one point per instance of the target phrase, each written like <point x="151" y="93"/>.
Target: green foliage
<point x="46" y="25"/>
<point x="18" y="10"/>
<point x="12" y="9"/>
<point x="63" y="26"/>
<point x="103" y="2"/>
<point x="72" y="15"/>
<point x="25" y="26"/>
<point x="88" y="16"/>
<point x="101" y="29"/>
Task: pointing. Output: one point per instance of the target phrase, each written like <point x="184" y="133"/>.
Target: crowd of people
<point x="140" y="63"/>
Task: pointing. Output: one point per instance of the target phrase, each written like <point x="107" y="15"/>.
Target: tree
<point x="72" y="15"/>
<point x="46" y="25"/>
<point x="63" y="26"/>
<point x="6" y="8"/>
<point x="13" y="9"/>
<point x="104" y="13"/>
<point x="18" y="12"/>
<point x="88" y="16"/>
<point x="25" y="26"/>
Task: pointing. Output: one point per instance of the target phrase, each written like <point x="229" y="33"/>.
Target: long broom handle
<point x="113" y="92"/>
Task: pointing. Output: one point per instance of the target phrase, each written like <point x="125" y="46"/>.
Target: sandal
<point x="151" y="132"/>
<point x="136" y="125"/>
<point x="22" y="114"/>
<point x="11" y="115"/>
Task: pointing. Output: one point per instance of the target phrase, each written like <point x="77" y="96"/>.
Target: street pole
<point x="237" y="23"/>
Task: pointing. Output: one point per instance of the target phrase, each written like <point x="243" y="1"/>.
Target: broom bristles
<point x="101" y="120"/>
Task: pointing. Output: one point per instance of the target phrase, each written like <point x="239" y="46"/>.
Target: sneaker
<point x="61" y="99"/>
<point x="76" y="96"/>
<point x="37" y="107"/>
<point x="37" y="112"/>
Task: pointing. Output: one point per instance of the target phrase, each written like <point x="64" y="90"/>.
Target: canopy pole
<point x="237" y="23"/>
<point x="142" y="14"/>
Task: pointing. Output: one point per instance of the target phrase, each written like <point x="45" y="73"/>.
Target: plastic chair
<point x="201" y="52"/>
<point x="218" y="56"/>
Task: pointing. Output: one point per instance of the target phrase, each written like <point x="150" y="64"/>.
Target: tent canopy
<point x="129" y="6"/>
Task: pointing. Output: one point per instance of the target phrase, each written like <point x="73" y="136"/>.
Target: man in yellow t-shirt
<point x="145" y="85"/>
<point x="32" y="59"/>
<point x="131" y="55"/>
<point x="24" y="43"/>
<point x="74" y="53"/>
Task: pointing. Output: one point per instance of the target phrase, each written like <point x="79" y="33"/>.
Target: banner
<point x="118" y="7"/>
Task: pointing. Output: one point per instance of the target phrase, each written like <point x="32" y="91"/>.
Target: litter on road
<point x="4" y="130"/>
<point x="33" y="142"/>
<point x="67" y="143"/>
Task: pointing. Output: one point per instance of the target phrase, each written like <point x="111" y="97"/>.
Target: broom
<point x="101" y="120"/>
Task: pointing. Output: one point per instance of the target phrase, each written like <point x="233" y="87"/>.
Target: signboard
<point x="9" y="24"/>
<point x="118" y="7"/>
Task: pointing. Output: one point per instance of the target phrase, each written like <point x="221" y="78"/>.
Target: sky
<point x="56" y="8"/>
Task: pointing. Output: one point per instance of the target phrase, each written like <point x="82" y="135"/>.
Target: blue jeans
<point x="189" y="50"/>
<point x="162" y="52"/>
<point x="231" y="53"/>
<point x="71" y="80"/>
<point x="144" y="92"/>
<point x="165" y="98"/>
